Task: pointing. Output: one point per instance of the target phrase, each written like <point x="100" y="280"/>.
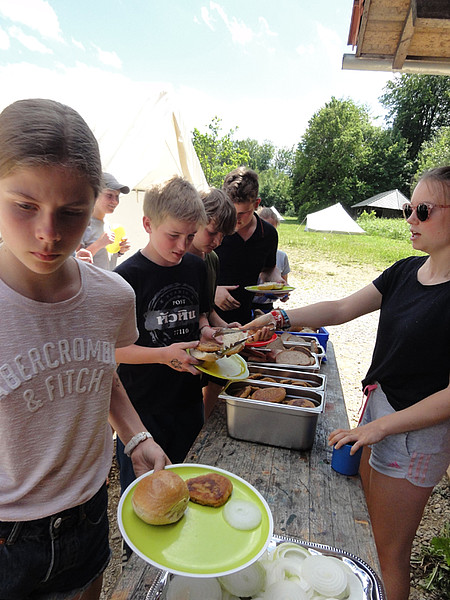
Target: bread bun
<point x="206" y="351"/>
<point x="271" y="285"/>
<point x="160" y="498"/>
<point x="211" y="351"/>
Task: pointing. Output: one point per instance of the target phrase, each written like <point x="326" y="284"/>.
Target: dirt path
<point x="353" y="343"/>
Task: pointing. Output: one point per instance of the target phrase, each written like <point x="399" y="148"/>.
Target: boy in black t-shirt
<point x="249" y="253"/>
<point x="171" y="307"/>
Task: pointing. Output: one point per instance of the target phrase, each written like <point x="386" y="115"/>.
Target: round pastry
<point x="269" y="394"/>
<point x="302" y="402"/>
<point x="160" y="498"/>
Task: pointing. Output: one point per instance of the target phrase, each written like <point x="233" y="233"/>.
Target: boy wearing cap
<point x="98" y="233"/>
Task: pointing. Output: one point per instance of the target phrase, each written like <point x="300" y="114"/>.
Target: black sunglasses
<point x="423" y="210"/>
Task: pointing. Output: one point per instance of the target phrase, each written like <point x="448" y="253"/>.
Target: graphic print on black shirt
<point x="172" y="314"/>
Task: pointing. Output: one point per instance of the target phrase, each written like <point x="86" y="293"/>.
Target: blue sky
<point x="264" y="66"/>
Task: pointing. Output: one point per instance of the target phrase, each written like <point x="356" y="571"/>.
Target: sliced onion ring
<point x="242" y="514"/>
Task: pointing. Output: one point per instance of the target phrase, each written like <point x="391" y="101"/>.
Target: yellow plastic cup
<point x="119" y="234"/>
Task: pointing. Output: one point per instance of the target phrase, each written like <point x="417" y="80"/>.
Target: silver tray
<point x="372" y="586"/>
<point x="317" y="380"/>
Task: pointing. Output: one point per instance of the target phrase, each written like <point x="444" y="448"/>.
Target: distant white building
<point x="386" y="204"/>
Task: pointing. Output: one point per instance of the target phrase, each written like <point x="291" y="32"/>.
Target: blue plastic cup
<point x="345" y="463"/>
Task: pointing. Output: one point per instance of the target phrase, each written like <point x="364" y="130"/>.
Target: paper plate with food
<point x="195" y="520"/>
<point x="270" y="288"/>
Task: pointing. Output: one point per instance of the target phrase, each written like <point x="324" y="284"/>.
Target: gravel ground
<point x="353" y="343"/>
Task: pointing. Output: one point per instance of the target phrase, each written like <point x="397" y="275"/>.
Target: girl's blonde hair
<point x="441" y="176"/>
<point x="177" y="199"/>
<point x="39" y="132"/>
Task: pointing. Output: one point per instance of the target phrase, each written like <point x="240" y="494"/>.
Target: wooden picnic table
<point x="307" y="498"/>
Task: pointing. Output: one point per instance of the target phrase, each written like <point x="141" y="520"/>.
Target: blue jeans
<point x="54" y="556"/>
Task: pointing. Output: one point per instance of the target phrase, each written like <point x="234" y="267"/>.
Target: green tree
<point x="418" y="106"/>
<point x="434" y="153"/>
<point x="275" y="189"/>
<point x="260" y="155"/>
<point x="218" y="155"/>
<point x="384" y="164"/>
<point x="328" y="157"/>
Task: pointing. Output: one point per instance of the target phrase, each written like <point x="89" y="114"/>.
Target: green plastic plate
<point x="201" y="543"/>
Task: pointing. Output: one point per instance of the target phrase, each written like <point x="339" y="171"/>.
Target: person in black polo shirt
<point x="247" y="254"/>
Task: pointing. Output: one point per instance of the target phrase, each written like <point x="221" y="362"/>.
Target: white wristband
<point x="136" y="440"/>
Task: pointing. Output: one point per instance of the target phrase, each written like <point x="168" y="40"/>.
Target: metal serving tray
<point x="292" y="392"/>
<point x="271" y="423"/>
<point x="371" y="583"/>
<point x="317" y="381"/>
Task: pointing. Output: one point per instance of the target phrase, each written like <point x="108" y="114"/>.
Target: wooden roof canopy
<point x="407" y="36"/>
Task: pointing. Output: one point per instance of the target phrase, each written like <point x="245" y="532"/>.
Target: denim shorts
<point x="421" y="456"/>
<point x="55" y="557"/>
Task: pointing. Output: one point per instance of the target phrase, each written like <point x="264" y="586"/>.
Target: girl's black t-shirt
<point x="411" y="359"/>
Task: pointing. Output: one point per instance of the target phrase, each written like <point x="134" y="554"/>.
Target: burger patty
<point x="211" y="489"/>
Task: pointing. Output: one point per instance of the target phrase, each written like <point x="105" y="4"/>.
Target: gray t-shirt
<point x="102" y="258"/>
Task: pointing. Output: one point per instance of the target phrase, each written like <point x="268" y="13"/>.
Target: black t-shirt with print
<point x="169" y="301"/>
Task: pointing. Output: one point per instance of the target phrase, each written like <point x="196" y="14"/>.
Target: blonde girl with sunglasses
<point x="405" y="426"/>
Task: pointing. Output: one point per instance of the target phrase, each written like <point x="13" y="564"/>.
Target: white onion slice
<point x="192" y="588"/>
<point x="284" y="568"/>
<point x="290" y="550"/>
<point x="285" y="590"/>
<point x="242" y="514"/>
<point x="247" y="582"/>
<point x="327" y="577"/>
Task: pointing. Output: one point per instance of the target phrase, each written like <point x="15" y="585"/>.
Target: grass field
<point x="380" y="247"/>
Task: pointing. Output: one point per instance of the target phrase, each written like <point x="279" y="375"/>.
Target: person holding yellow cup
<point x="106" y="243"/>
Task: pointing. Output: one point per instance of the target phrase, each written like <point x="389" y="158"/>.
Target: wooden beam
<point x="406" y="37"/>
<point x="362" y="27"/>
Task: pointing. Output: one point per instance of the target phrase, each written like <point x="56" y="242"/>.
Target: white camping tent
<point x="147" y="145"/>
<point x="334" y="219"/>
<point x="279" y="215"/>
<point x="150" y="144"/>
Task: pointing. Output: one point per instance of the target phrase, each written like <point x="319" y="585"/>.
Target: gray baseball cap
<point x="111" y="183"/>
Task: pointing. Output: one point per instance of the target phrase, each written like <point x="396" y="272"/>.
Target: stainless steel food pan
<point x="316" y="381"/>
<point x="274" y="424"/>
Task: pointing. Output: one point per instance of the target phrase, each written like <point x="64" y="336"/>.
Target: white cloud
<point x="207" y="17"/>
<point x="35" y="14"/>
<point x="4" y="40"/>
<point x="108" y="57"/>
<point x="330" y="43"/>
<point x="265" y="29"/>
<point x="29" y="41"/>
<point x="240" y="32"/>
<point x="78" y="44"/>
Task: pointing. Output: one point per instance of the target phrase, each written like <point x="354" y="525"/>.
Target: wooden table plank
<point x="308" y="499"/>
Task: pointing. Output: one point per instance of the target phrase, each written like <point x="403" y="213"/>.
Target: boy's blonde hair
<point x="177" y="199"/>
